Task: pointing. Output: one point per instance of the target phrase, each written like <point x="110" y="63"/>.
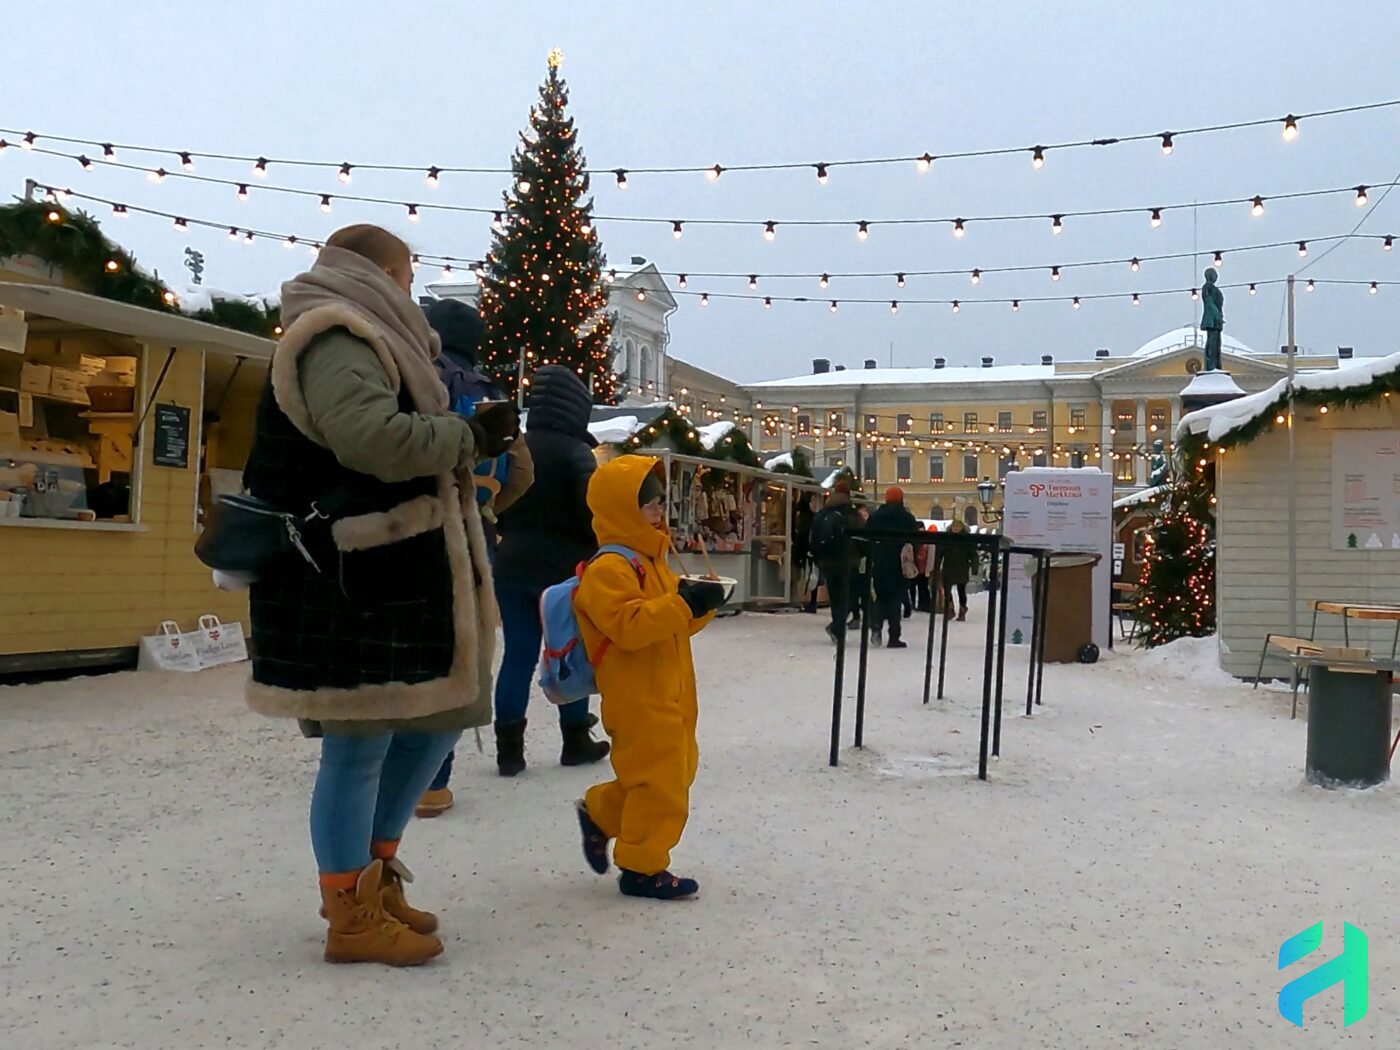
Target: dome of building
<point x="1181" y="338"/>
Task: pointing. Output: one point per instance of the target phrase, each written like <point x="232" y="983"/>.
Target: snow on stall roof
<point x="915" y="376"/>
<point x="713" y="433"/>
<point x="196" y="297"/>
<point x="785" y="460"/>
<point x="1216" y="421"/>
<point x="612" y="431"/>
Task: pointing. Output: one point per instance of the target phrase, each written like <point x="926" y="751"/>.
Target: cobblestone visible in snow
<point x="1125" y="878"/>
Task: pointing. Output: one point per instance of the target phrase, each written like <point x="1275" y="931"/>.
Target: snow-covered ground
<point x="1124" y="879"/>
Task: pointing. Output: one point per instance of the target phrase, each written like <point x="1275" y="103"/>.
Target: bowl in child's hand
<point x="724" y="581"/>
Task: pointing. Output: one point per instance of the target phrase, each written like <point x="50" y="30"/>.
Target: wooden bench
<point x="1291" y="647"/>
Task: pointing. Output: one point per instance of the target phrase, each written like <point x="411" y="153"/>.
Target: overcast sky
<point x="658" y="83"/>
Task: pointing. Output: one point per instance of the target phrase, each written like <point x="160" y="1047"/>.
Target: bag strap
<point x="636" y="561"/>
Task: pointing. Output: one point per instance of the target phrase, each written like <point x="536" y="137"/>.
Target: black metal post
<point x="844" y="570"/>
<point x="943" y="647"/>
<point x="987" y="659"/>
<point x="1037" y="585"/>
<point x="1001" y="646"/>
<point x="935" y="590"/>
<point x="1044" y="615"/>
<point x="864" y="647"/>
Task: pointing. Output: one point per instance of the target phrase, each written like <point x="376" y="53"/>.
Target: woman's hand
<point x="495" y="429"/>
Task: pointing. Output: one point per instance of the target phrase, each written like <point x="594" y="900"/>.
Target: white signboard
<point x="1062" y="509"/>
<point x="1366" y="490"/>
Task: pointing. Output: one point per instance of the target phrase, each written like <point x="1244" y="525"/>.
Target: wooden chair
<point x="1290" y="647"/>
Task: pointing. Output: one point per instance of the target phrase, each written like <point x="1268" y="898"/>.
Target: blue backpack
<point x="566" y="670"/>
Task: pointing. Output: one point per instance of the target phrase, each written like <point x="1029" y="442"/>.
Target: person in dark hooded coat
<point x="545" y="535"/>
<point x="885" y="565"/>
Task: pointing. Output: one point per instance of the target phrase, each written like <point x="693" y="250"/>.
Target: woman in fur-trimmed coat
<point x="383" y="647"/>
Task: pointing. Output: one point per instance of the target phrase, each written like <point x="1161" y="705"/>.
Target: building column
<point x="1173" y="418"/>
<point x="1106" y="436"/>
<point x="1140" y="462"/>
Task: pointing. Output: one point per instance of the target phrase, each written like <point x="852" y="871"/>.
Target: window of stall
<point x="68" y="410"/>
<point x="232" y="386"/>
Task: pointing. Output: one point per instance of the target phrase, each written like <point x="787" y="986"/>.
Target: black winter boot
<point x="510" y="748"/>
<point x="580" y="749"/>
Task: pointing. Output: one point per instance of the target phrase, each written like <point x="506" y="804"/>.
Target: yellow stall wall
<point x="75" y="588"/>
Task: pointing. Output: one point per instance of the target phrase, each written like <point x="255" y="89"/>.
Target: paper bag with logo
<point x="219" y="643"/>
<point x="168" y="650"/>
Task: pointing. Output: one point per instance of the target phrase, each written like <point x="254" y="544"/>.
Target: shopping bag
<point x="218" y="643"/>
<point x="168" y="649"/>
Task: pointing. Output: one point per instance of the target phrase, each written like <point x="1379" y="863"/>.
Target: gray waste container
<point x="1349" y="709"/>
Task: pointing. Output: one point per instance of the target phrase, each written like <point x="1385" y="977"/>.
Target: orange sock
<point x="339" y="880"/>
<point x="384" y="849"/>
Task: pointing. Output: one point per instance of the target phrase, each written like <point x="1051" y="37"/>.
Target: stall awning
<point x="146" y="326"/>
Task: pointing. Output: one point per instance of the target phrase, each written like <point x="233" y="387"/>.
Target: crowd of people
<point x="893" y="580"/>
<point x="427" y="524"/>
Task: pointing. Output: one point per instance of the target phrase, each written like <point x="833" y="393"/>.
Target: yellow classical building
<point x="939" y="431"/>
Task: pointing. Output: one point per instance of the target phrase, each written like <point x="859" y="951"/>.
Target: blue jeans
<point x="524" y="634"/>
<point x="366" y="790"/>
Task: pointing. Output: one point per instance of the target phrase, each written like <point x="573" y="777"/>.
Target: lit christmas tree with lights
<point x="1176" y="592"/>
<point x="543" y="299"/>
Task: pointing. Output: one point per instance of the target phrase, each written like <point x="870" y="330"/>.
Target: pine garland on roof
<point x="682" y="435"/>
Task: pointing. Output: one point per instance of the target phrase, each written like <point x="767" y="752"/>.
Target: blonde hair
<point x="372" y="242"/>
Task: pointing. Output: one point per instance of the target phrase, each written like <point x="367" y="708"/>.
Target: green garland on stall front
<point x="675" y="428"/>
<point x="72" y="241"/>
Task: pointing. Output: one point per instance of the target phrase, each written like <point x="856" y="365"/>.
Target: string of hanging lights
<point x="767" y="227"/>
<point x="922" y="162"/>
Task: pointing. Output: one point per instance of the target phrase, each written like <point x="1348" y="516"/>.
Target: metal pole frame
<point x="844" y="570"/>
<point x="1044" y="613"/>
<point x="933" y="619"/>
<point x="865" y="611"/>
<point x="988" y="658"/>
<point x="1001" y="647"/>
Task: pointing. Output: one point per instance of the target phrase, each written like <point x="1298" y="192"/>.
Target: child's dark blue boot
<point x="663" y="886"/>
<point x="595" y="843"/>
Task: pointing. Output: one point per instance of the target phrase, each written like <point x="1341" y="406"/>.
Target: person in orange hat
<point x="886" y="569"/>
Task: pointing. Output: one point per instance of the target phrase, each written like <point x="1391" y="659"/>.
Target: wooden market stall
<point x="1344" y="518"/>
<point x="117" y="424"/>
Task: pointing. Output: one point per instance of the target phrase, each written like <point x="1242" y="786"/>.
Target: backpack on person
<point x="828" y="532"/>
<point x="566" y="668"/>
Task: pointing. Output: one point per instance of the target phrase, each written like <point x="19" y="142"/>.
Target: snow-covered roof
<point x="1138" y="497"/>
<point x="615" y="430"/>
<point x="1190" y="335"/>
<point x="784" y="460"/>
<point x="196" y="297"/>
<point x="1217" y="421"/>
<point x="915" y="376"/>
<point x="713" y="433"/>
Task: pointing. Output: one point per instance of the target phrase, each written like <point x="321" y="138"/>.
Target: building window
<point x="935" y="466"/>
<point x="936" y="512"/>
<point x="1039" y="422"/>
<point x="1156" y="420"/>
<point x="970" y="467"/>
<point x="1003" y="422"/>
<point x="1005" y="465"/>
<point x="804" y="424"/>
<point x="905" y="424"/>
<point x="969" y="422"/>
<point x="872" y="424"/>
<point x="935" y="423"/>
<point x="1124" y="468"/>
<point x="904" y="468"/>
<point x="1124" y="419"/>
<point x="871" y="462"/>
<point x="970" y="515"/>
<point x="1078" y="421"/>
<point x="1040" y="460"/>
<point x="1076" y="457"/>
<point x="835" y="420"/>
<point x="835" y="459"/>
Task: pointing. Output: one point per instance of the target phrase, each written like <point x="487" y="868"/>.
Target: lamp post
<point x="985" y="492"/>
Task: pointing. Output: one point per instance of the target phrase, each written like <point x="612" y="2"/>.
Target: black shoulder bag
<point x="250" y="535"/>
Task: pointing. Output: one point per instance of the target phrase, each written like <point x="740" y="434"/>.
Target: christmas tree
<point x="1176" y="592"/>
<point x="543" y="300"/>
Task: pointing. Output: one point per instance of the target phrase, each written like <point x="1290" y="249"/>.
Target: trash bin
<point x="1349" y="707"/>
<point x="1069" y="614"/>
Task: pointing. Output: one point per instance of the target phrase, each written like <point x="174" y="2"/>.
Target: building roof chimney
<point x="1101" y="353"/>
<point x="820" y="365"/>
<point x="840" y="368"/>
<point x="940" y="362"/>
<point x="986" y="362"/>
<point x="870" y="362"/>
<point x="1344" y="353"/>
<point x="1046" y="359"/>
<point x="639" y="260"/>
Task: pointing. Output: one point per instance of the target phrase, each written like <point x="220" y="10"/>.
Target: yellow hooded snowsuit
<point x="645" y="675"/>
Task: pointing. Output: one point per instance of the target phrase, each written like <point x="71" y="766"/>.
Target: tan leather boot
<point x="362" y="931"/>
<point x="396" y="873"/>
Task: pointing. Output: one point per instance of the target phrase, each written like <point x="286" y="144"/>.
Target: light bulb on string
<point x="344" y="174"/>
<point x="1195" y="294"/>
<point x="1038" y="157"/>
<point x="1136" y="301"/>
<point x="1134" y="265"/>
<point x="768" y="302"/>
<point x="770" y="230"/>
<point x="1302" y="249"/>
<point x="28" y="141"/>
<point x="821" y="174"/>
<point x="1256" y="207"/>
<point x="976" y="276"/>
<point x="753" y="281"/>
<point x="899" y="280"/>
<point x="714" y="172"/>
<point x="677" y="229"/>
<point x="681" y="281"/>
<point x="497" y="222"/>
<point x="84" y="163"/>
<point x="1388" y="243"/>
<point x="242" y="193"/>
<point x="1156" y="218"/>
<point x="233" y="233"/>
<point x="621" y="174"/>
<point x="523" y="187"/>
<point x="108" y="153"/>
<point x="862" y="229"/>
<point x="958" y="228"/>
<point x="923" y="163"/>
<point x="824" y="280"/>
<point x="1015" y="305"/>
<point x="1312" y="285"/>
<point x="956" y="306"/>
<point x="1253" y="290"/>
<point x="156" y="175"/>
<point x="260" y="168"/>
<point x="1166" y="143"/>
<point x="413" y="213"/>
<point x="1075" y="304"/>
<point x="1374" y="288"/>
<point x="1290" y="128"/>
<point x="181" y="224"/>
<point x="186" y="161"/>
<point x="326" y="203"/>
<point x="894" y="304"/>
<point x="833" y="306"/>
<point x="1361" y="196"/>
<point x="248" y="237"/>
<point x="1054" y="273"/>
<point x="433" y="177"/>
<point x="1057" y="224"/>
<point x="1218" y="260"/>
<point x="610" y="276"/>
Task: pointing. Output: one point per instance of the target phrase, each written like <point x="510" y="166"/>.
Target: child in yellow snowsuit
<point x="636" y="619"/>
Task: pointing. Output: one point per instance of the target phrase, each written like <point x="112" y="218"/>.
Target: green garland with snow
<point x="72" y="241"/>
<point x="684" y="437"/>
